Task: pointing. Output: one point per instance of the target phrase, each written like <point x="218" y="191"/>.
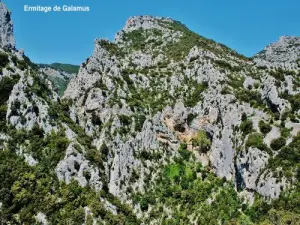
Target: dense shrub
<point x="223" y="64"/>
<point x="3" y="111"/>
<point x="144" y="204"/>
<point x="137" y="38"/>
<point x="96" y="119"/>
<point x="278" y="143"/>
<point x="22" y="64"/>
<point x="139" y="122"/>
<point x="185" y="154"/>
<point x="6" y="86"/>
<point x="264" y="127"/>
<point x="246" y="126"/>
<point x="251" y="96"/>
<point x="256" y="140"/>
<point x="4" y="60"/>
<point x="125" y="120"/>
<point x="285" y="132"/>
<point x="202" y="141"/>
<point x="295" y="102"/>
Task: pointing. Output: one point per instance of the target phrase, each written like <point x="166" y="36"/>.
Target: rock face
<point x="139" y="106"/>
<point x="6" y="28"/>
<point x="75" y="166"/>
<point x="201" y="92"/>
<point x="249" y="165"/>
<point x="283" y="54"/>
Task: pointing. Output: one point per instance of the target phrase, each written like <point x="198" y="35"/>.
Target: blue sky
<point x="68" y="37"/>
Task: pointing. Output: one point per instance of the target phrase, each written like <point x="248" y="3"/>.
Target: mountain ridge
<point x="161" y="126"/>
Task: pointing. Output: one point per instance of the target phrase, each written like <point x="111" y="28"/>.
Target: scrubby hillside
<point x="59" y="75"/>
<point x="37" y="153"/>
<point x="160" y="88"/>
<point x="161" y="126"/>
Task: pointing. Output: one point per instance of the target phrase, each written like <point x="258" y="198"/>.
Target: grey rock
<point x="75" y="166"/>
<point x="270" y="186"/>
<point x="41" y="218"/>
<point x="249" y="164"/>
<point x="284" y="53"/>
<point x="6" y="28"/>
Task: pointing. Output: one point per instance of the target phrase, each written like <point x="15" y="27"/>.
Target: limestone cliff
<point x="160" y="126"/>
<point x="6" y="33"/>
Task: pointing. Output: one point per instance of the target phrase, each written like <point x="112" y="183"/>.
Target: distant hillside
<point x="64" y="67"/>
<point x="59" y="74"/>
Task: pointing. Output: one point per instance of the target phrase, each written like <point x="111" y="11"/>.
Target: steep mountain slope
<point x="283" y="54"/>
<point x="36" y="138"/>
<point x="6" y="33"/>
<point x="161" y="126"/>
<point x="159" y="86"/>
<point x="59" y="75"/>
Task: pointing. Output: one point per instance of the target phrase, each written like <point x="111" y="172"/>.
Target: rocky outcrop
<point x="284" y="54"/>
<point x="271" y="95"/>
<point x="249" y="165"/>
<point x="75" y="166"/>
<point x="26" y="109"/>
<point x="151" y="98"/>
<point x="105" y="92"/>
<point x="6" y="28"/>
<point x="271" y="186"/>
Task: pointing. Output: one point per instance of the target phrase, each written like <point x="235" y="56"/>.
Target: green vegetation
<point x="288" y="158"/>
<point x="184" y="153"/>
<point x="278" y="74"/>
<point x="40" y="88"/>
<point x="285" y="209"/>
<point x="4" y="59"/>
<point x="251" y="96"/>
<point x="255" y="140"/>
<point x="227" y="66"/>
<point x="144" y="99"/>
<point x="285" y="132"/>
<point x="27" y="190"/>
<point x="64" y="67"/>
<point x="59" y="84"/>
<point x="3" y="111"/>
<point x="189" y="39"/>
<point x="278" y="143"/>
<point x="22" y="64"/>
<point x="246" y="126"/>
<point x="236" y="81"/>
<point x="183" y="193"/>
<point x="139" y="121"/>
<point x="6" y="86"/>
<point x="24" y="190"/>
<point x="294" y="100"/>
<point x="264" y="127"/>
<point x="195" y="96"/>
<point x="139" y="39"/>
<point x="185" y="188"/>
<point x="112" y="48"/>
<point x="202" y="141"/>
